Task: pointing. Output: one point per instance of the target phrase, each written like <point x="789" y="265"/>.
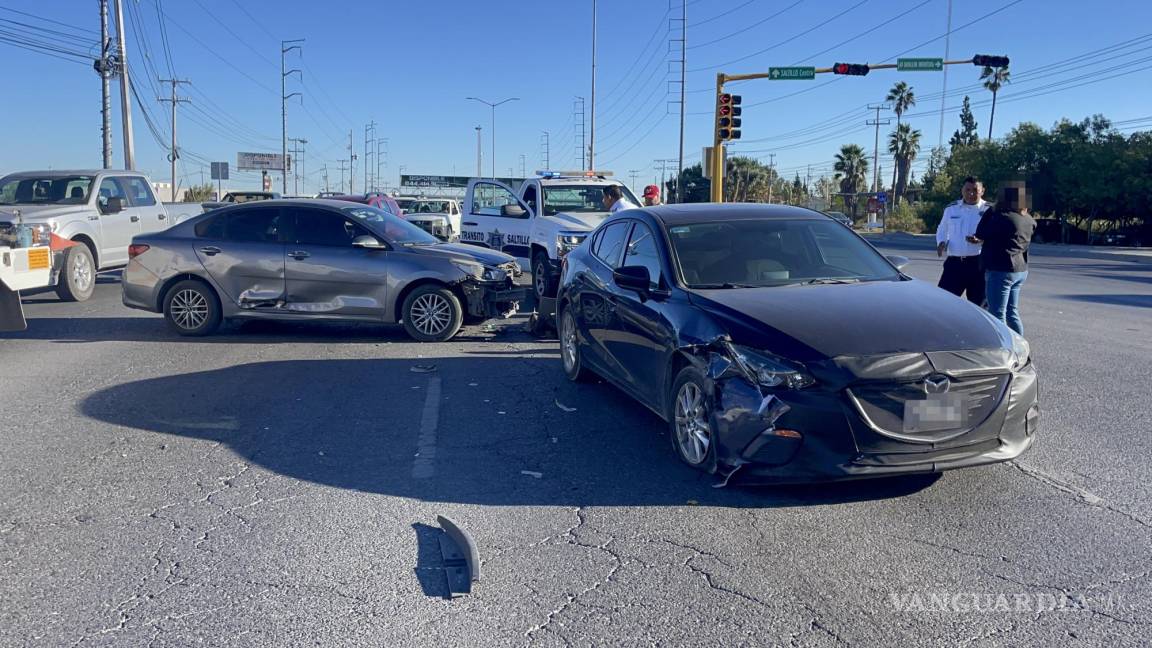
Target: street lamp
<point x="493" y="107"/>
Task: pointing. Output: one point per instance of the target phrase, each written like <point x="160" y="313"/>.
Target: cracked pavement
<point x="259" y="488"/>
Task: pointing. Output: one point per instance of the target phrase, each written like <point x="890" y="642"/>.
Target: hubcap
<point x="189" y="309"/>
<point x="81" y="272"/>
<point x="568" y="342"/>
<point x="693" y="434"/>
<point x="431" y="314"/>
<point x="540" y="278"/>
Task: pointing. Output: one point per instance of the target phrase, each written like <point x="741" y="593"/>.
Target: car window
<point x="254" y="225"/>
<point x="611" y="243"/>
<point x="111" y="188"/>
<point x="642" y="251"/>
<point x="489" y="199"/>
<point x="211" y="227"/>
<point x="139" y="192"/>
<point x="323" y="227"/>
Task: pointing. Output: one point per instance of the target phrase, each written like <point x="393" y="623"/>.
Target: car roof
<point x="296" y="202"/>
<point x="713" y="212"/>
<point x="72" y="172"/>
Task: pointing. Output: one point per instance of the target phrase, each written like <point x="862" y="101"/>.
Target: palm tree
<point x="903" y="144"/>
<point x="993" y="79"/>
<point x="902" y="98"/>
<point x="851" y="169"/>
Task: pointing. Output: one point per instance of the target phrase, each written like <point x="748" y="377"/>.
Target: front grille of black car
<point x="882" y="403"/>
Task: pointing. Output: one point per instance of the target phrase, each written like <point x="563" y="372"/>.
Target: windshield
<point x="754" y="253"/>
<point x="395" y="229"/>
<point x="578" y="198"/>
<point x="428" y="207"/>
<point x="46" y="190"/>
<point x="405" y="203"/>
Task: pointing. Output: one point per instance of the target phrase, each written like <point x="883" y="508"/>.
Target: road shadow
<point x="488" y="431"/>
<point x="69" y="330"/>
<point x="1139" y="301"/>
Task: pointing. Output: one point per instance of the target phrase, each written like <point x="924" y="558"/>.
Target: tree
<point x="799" y="191"/>
<point x="199" y="193"/>
<point x="904" y="145"/>
<point x="851" y="169"/>
<point x="993" y="79"/>
<point x="902" y="98"/>
<point x="747" y="180"/>
<point x="966" y="136"/>
<point x="696" y="187"/>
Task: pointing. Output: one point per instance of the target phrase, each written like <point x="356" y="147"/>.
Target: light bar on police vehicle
<point x="574" y="174"/>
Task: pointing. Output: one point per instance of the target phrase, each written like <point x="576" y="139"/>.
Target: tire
<point x="192" y="309"/>
<point x="432" y="313"/>
<point x="691" y="431"/>
<point x="78" y="276"/>
<point x="570" y="356"/>
<point x="544" y="283"/>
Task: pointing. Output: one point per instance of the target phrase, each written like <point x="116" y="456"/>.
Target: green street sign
<point x="920" y="64"/>
<point x="791" y="73"/>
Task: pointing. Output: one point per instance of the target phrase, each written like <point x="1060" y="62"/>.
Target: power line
<point x="94" y="34"/>
<point x="752" y="26"/>
<point x="721" y="15"/>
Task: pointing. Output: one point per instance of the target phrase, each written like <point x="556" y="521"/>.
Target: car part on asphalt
<point x="461" y="557"/>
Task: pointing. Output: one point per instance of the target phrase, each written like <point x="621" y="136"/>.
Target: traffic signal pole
<point x="851" y="69"/>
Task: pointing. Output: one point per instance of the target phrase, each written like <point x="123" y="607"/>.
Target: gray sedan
<point x="315" y="260"/>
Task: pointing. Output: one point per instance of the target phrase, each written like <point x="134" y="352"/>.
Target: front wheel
<point x="192" y="309"/>
<point x="78" y="276"/>
<point x="432" y="313"/>
<point x="692" y="434"/>
<point x="543" y="282"/>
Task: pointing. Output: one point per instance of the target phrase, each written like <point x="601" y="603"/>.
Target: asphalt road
<point x="278" y="485"/>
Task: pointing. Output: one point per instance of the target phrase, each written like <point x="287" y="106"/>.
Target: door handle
<point x="93" y="218"/>
<point x="210" y="250"/>
<point x="470" y="224"/>
<point x="135" y="219"/>
<point x="299" y="254"/>
<point x="162" y="216"/>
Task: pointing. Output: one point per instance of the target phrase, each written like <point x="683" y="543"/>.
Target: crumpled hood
<point x="464" y="252"/>
<point x="579" y="221"/>
<point x="41" y="213"/>
<point x="809" y="323"/>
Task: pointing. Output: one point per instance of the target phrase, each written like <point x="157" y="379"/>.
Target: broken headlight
<point x="481" y="272"/>
<point x="1021" y="352"/>
<point x="568" y="241"/>
<point x="768" y="370"/>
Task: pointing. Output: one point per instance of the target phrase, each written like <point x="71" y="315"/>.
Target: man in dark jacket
<point x="1004" y="234"/>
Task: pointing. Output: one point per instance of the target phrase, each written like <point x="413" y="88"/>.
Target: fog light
<point x="791" y="434"/>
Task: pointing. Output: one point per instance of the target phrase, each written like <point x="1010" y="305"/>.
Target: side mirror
<point x="115" y="205"/>
<point x="513" y="211"/>
<point x="367" y="242"/>
<point x="633" y="278"/>
<point x="900" y="262"/>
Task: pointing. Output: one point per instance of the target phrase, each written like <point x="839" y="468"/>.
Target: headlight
<point x="480" y="272"/>
<point x="768" y="370"/>
<point x="1021" y="352"/>
<point x="568" y="241"/>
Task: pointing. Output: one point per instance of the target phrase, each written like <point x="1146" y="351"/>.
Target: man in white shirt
<point x="962" y="271"/>
<point x="615" y="201"/>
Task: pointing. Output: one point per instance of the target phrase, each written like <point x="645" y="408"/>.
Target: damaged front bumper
<point x="822" y="434"/>
<point x="490" y="300"/>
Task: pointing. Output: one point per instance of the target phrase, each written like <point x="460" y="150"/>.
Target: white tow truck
<point x="26" y="262"/>
<point x="549" y="215"/>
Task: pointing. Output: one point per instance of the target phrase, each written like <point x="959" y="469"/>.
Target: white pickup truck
<point x="100" y="209"/>
<point x="26" y="261"/>
<point x="549" y="215"/>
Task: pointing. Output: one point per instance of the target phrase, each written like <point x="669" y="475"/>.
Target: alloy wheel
<point x="431" y="314"/>
<point x="693" y="433"/>
<point x="81" y="272"/>
<point x="189" y="309"/>
<point x="568" y="341"/>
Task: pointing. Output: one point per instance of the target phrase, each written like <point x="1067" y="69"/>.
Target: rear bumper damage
<point x="818" y="434"/>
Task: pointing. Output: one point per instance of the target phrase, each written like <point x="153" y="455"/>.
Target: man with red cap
<point x="651" y="195"/>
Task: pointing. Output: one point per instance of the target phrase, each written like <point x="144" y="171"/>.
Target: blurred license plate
<point x="937" y="412"/>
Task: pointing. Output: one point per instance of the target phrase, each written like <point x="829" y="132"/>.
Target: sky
<point x="410" y="66"/>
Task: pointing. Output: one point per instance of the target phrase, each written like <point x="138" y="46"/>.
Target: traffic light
<point x="985" y="60"/>
<point x="728" y="117"/>
<point x="851" y="69"/>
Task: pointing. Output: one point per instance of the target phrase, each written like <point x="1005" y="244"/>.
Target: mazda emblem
<point x="937" y="384"/>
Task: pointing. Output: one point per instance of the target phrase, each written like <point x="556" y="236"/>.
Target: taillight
<point x="136" y="249"/>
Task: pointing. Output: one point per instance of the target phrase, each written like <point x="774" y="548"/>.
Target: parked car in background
<point x="315" y="260"/>
<point x="840" y="217"/>
<point x="781" y="345"/>
<point x="405" y="202"/>
<point x="440" y="217"/>
<point x="236" y="197"/>
<point x="101" y="209"/>
<point x="378" y="200"/>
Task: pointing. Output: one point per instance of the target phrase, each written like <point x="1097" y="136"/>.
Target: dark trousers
<point x="964" y="275"/>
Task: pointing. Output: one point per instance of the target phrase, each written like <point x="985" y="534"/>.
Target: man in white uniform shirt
<point x="962" y="271"/>
<point x="614" y="199"/>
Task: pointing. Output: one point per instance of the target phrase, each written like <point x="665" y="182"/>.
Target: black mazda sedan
<point x="781" y="347"/>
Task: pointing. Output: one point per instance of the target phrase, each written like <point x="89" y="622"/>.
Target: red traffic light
<point x="851" y="69"/>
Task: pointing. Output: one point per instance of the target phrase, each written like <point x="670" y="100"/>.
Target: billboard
<point x="261" y="162"/>
<point x="447" y="182"/>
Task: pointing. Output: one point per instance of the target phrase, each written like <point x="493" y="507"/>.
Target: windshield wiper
<point x="841" y="280"/>
<point x="726" y="285"/>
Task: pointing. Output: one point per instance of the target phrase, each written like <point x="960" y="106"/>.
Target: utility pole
<point x="683" y="78"/>
<point x="342" y="170"/>
<point x="876" y="149"/>
<point x="479" y="153"/>
<point x="324" y="175"/>
<point x="592" y="128"/>
<point x="298" y="171"/>
<point x="578" y="126"/>
<point x="351" y="164"/>
<point x="493" y="133"/>
<point x="173" y="153"/>
<point x="771" y="175"/>
<point x="125" y="89"/>
<point x="523" y="167"/>
<point x="944" y="91"/>
<point x="105" y="67"/>
<point x="632" y="174"/>
<point x="545" y="151"/>
<point x="663" y="171"/>
<point x="284" y="49"/>
<point x="369" y="127"/>
<point x="381" y="160"/>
